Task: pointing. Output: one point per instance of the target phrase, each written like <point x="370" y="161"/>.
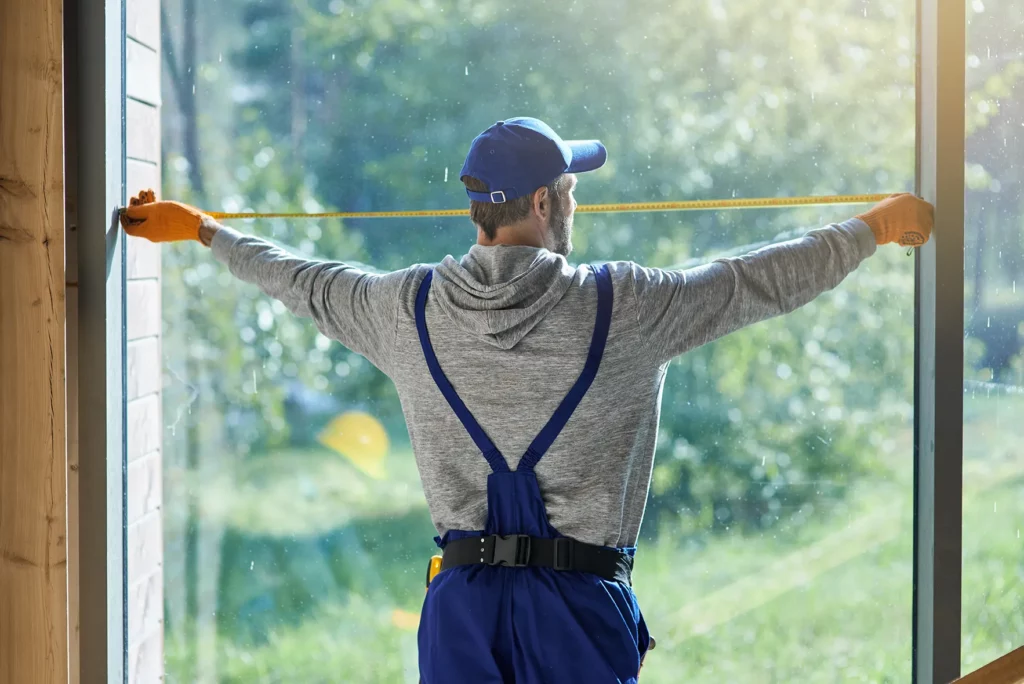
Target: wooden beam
<point x="33" y="522"/>
<point x="1006" y="670"/>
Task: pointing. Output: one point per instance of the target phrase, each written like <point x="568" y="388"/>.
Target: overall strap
<point x="554" y="426"/>
<point x="483" y="442"/>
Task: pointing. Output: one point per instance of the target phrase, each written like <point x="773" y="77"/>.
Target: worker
<point x="531" y="389"/>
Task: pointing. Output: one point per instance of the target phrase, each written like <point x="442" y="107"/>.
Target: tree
<point x="370" y="105"/>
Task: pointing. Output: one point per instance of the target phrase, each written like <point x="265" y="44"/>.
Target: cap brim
<point x="587" y="155"/>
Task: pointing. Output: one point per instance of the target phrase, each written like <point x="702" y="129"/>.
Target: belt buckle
<point x="512" y="551"/>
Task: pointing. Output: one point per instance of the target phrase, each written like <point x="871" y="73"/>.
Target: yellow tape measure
<point x="433" y="568"/>
<point x="692" y="205"/>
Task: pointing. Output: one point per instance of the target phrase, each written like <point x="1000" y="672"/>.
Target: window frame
<point x="939" y="343"/>
<point x="95" y="128"/>
<point x="95" y="47"/>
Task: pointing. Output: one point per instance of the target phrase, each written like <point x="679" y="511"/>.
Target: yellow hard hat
<point x="359" y="437"/>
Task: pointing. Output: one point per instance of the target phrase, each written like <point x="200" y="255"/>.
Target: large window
<point x="778" y="540"/>
<point x="993" y="565"/>
<point x="778" y="543"/>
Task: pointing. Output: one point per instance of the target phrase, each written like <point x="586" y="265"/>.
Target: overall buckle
<point x="511" y="551"/>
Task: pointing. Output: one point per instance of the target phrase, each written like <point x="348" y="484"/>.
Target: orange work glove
<point x="902" y="218"/>
<point x="160" y="221"/>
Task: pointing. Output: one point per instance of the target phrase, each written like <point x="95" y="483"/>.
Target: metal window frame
<point x="95" y="46"/>
<point x="939" y="343"/>
<point x="95" y="89"/>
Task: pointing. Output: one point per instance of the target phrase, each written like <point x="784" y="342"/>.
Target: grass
<point x="827" y="602"/>
<point x="826" y="599"/>
<point x="303" y="492"/>
<point x="993" y="603"/>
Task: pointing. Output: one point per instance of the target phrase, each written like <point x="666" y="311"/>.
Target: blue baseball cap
<point x="516" y="156"/>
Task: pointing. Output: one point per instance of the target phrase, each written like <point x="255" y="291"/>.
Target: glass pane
<point x="777" y="543"/>
<point x="993" y="566"/>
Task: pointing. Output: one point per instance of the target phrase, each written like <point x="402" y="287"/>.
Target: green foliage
<point x="363" y="106"/>
<point x="787" y="415"/>
<point x="284" y="563"/>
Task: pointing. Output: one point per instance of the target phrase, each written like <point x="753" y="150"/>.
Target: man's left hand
<point x="903" y="218"/>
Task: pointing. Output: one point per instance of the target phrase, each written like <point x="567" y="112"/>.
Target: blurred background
<point x="777" y="543"/>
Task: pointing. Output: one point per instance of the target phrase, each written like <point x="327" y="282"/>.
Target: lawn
<point x="824" y="599"/>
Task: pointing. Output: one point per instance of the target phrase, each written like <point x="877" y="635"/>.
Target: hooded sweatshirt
<point x="511" y="327"/>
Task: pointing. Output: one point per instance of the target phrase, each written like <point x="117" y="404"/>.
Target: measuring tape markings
<point x="691" y="205"/>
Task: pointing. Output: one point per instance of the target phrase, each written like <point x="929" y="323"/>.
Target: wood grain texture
<point x="1006" y="670"/>
<point x="33" y="521"/>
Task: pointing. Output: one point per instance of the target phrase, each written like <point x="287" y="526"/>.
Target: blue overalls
<point x="487" y="624"/>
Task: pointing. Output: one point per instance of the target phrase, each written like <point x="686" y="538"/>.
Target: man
<point x="532" y="391"/>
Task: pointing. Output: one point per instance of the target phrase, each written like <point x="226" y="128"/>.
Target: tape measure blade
<point x="626" y="207"/>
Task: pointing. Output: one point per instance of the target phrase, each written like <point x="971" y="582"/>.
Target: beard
<point x="560" y="230"/>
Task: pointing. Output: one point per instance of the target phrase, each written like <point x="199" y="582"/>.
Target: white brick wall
<point x="143" y="362"/>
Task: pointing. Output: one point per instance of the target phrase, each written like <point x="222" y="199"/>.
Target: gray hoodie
<point x="511" y="327"/>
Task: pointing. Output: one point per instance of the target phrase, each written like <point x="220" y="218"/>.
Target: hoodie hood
<point x="500" y="293"/>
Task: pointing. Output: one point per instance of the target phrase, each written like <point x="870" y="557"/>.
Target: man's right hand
<point x="161" y="221"/>
<point x="903" y="218"/>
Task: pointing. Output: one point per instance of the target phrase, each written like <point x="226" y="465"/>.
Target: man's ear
<point x="542" y="204"/>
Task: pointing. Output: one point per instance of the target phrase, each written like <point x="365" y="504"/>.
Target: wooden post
<point x="1006" y="670"/>
<point x="33" y="521"/>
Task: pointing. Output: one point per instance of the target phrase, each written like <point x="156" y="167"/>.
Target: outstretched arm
<point x="356" y="308"/>
<point x="681" y="310"/>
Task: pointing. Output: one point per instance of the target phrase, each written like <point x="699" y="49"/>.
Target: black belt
<point x="521" y="551"/>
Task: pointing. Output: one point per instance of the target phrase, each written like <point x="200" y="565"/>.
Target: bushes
<point x="780" y="419"/>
